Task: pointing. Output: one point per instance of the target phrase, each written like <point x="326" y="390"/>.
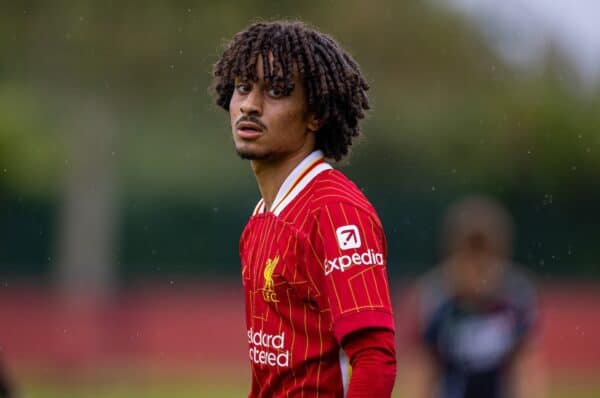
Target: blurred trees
<point x="448" y="118"/>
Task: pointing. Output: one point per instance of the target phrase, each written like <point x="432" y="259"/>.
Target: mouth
<point x="249" y="130"/>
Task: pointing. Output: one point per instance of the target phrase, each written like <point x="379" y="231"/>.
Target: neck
<point x="270" y="175"/>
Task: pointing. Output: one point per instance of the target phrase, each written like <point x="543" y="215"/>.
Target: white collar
<point x="295" y="182"/>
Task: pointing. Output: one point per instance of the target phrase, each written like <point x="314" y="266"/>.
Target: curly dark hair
<point x="335" y="87"/>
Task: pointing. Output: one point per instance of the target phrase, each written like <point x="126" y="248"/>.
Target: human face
<point x="268" y="125"/>
<point x="475" y="275"/>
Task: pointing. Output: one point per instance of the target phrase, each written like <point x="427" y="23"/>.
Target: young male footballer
<point x="313" y="254"/>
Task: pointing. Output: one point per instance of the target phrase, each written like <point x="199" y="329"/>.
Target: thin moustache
<point x="251" y="119"/>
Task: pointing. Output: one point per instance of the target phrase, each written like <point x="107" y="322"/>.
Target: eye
<point x="243" y="87"/>
<point x="275" y="92"/>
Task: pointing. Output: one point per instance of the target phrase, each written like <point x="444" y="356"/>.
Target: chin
<point x="253" y="155"/>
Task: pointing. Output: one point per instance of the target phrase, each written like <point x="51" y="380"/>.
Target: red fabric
<point x="313" y="273"/>
<point x="354" y="277"/>
<point x="362" y="320"/>
<point x="373" y="359"/>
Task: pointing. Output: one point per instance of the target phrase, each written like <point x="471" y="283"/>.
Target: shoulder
<point x="432" y="294"/>
<point x="333" y="191"/>
<point x="330" y="200"/>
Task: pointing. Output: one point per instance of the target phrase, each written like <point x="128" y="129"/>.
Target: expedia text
<point x="344" y="262"/>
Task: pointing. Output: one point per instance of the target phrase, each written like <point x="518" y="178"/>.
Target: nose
<point x="252" y="103"/>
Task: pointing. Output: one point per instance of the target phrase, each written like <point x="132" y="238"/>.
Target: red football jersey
<point x="314" y="270"/>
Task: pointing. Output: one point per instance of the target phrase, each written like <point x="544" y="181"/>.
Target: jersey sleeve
<point x="350" y="248"/>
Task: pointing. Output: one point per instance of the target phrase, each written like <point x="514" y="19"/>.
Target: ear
<point x="314" y="124"/>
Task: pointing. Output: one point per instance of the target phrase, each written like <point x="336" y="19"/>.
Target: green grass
<point x="133" y="382"/>
<point x="129" y="385"/>
<point x="166" y="389"/>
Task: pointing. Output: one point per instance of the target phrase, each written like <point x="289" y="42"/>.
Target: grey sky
<point x="524" y="31"/>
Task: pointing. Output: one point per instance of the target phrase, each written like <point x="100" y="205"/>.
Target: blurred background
<point x="122" y="200"/>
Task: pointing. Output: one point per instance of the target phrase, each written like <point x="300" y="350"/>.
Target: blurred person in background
<point x="313" y="253"/>
<point x="476" y="313"/>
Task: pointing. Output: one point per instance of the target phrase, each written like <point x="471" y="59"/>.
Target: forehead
<point x="277" y="69"/>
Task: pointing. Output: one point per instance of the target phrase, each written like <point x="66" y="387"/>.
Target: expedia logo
<point x="341" y="263"/>
<point x="348" y="237"/>
<point x="269" y="294"/>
